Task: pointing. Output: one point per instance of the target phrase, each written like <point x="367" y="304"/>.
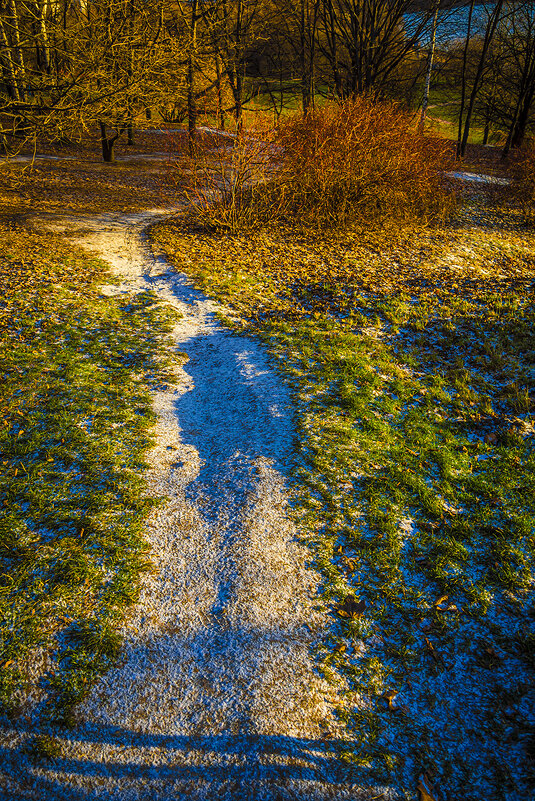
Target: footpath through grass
<point x="412" y="360"/>
<point x="76" y="415"/>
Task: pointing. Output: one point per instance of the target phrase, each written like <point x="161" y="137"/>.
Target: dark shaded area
<point x="228" y="767"/>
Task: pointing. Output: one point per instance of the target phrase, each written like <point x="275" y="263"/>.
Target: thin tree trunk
<point x="190" y="79"/>
<point x="523" y="118"/>
<point x="238" y="61"/>
<point x="329" y="21"/>
<point x="219" y="79"/>
<point x="519" y="122"/>
<point x="8" y="65"/>
<point x="305" y="56"/>
<point x="517" y="129"/>
<point x="489" y="35"/>
<point x="17" y="50"/>
<point x="430" y="60"/>
<point x="42" y="34"/>
<point x="108" y="142"/>
<point x="463" y="78"/>
<point x="486" y="129"/>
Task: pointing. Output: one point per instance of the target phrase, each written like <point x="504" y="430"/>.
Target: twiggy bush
<point x="359" y="161"/>
<point x="226" y="175"/>
<point x="343" y="163"/>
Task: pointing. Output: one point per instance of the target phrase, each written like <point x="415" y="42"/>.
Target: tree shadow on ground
<point x="252" y="767"/>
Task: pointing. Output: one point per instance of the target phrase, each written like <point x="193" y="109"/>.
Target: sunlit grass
<point x="76" y="368"/>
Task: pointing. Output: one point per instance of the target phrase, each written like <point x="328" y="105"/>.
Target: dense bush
<point x="343" y="163"/>
<point x="359" y="160"/>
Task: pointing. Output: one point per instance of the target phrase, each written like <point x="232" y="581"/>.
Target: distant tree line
<point x="69" y="66"/>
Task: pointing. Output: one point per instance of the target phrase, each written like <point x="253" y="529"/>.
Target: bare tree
<point x="365" y="41"/>
<point x="510" y="90"/>
<point x="233" y="26"/>
<point x="487" y="39"/>
<point x="69" y="66"/>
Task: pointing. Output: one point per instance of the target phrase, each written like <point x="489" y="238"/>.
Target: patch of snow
<point x="217" y="132"/>
<point x="477" y="178"/>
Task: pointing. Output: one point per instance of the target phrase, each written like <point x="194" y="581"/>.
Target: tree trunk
<point x="463" y="79"/>
<point x="220" y="109"/>
<point x="303" y="57"/>
<point x="238" y="61"/>
<point x="430" y="59"/>
<point x="42" y="42"/>
<point x="190" y="80"/>
<point x="238" y="101"/>
<point x="8" y="67"/>
<point x="486" y="129"/>
<point x="329" y="24"/>
<point x="17" y="50"/>
<point x="108" y="143"/>
<point x="308" y="24"/>
<point x="517" y="129"/>
<point x="521" y="115"/>
<point x="489" y="35"/>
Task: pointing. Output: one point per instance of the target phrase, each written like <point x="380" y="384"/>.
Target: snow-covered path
<point x="217" y="695"/>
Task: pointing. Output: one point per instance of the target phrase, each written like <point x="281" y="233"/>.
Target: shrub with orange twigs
<point x="358" y="161"/>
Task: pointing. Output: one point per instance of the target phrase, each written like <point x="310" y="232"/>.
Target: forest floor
<point x="340" y="600"/>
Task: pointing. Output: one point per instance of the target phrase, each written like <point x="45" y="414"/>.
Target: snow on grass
<point x="410" y="359"/>
<point x="217" y="692"/>
<point x="478" y="178"/>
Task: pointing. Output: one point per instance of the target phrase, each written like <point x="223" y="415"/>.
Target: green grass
<point x="443" y="116"/>
<point x="76" y="368"/>
<point x="410" y="356"/>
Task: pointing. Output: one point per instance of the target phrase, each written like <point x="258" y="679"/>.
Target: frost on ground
<point x="217" y="694"/>
<point x="414" y="473"/>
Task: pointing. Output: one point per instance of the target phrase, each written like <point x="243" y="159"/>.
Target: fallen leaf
<point x="491" y="438"/>
<point x="441" y="600"/>
<point x="443" y="604"/>
<point x="351" y="607"/>
<point x="433" y="651"/>
<point x="425" y="789"/>
<point x="389" y="696"/>
<point x="349" y="565"/>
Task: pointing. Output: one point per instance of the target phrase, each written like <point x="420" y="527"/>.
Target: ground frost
<point x="217" y="694"/>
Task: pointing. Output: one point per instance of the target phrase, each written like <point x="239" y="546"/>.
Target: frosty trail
<point x="217" y="696"/>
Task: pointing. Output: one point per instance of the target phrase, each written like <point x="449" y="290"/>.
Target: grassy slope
<point x="411" y="358"/>
<point x="76" y="413"/>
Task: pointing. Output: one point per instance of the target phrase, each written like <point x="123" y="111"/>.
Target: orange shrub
<point x="343" y="163"/>
<point x="359" y="160"/>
